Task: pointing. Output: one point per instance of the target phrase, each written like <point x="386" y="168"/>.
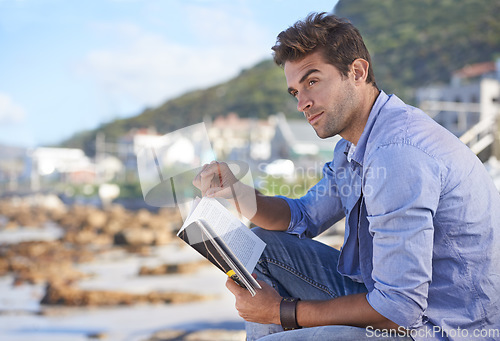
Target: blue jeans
<point x="307" y="269"/>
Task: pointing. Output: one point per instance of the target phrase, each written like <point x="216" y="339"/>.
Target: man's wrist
<point x="288" y="313"/>
<point x="244" y="199"/>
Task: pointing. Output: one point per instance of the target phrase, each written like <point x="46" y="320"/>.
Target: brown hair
<point x="340" y="42"/>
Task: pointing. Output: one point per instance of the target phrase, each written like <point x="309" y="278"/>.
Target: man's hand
<point x="264" y="307"/>
<point x="215" y="179"/>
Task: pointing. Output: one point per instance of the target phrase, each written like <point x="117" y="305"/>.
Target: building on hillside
<point x="235" y="138"/>
<point x="128" y="145"/>
<point x="125" y="151"/>
<point x="468" y="106"/>
<point x="12" y="168"/>
<point x="62" y="165"/>
<point x="264" y="141"/>
<point x="108" y="168"/>
<point x="297" y="140"/>
<point x="231" y="138"/>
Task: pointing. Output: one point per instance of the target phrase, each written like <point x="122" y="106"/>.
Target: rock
<point x="37" y="273"/>
<point x="10" y="225"/>
<point x="4" y="266"/>
<point x="97" y="336"/>
<point x="89" y="225"/>
<point x="97" y="219"/>
<point x="57" y="293"/>
<point x="165" y="269"/>
<point x="38" y="262"/>
<point x="162" y="237"/>
<point x="143" y="217"/>
<point x="112" y="227"/>
<point x="134" y="236"/>
<point x="88" y="236"/>
<point x="168" y="335"/>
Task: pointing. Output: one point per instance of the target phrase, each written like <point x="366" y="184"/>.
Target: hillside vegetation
<point x="257" y="92"/>
<point x="413" y="43"/>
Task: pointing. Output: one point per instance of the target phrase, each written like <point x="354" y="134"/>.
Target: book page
<point x="243" y="242"/>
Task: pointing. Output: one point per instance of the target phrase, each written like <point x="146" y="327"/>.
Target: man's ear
<point x="359" y="68"/>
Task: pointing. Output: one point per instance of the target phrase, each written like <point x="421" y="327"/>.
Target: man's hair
<point x="337" y="39"/>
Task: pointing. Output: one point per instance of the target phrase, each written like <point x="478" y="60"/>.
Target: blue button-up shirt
<point x="422" y="224"/>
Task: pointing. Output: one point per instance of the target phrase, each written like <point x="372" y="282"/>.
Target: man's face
<point x="327" y="99"/>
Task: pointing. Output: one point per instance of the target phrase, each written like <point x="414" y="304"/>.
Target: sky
<point x="68" y="66"/>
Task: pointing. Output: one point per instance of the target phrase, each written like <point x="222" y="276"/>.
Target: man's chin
<point x="324" y="135"/>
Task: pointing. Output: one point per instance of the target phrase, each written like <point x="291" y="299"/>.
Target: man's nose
<point x="304" y="103"/>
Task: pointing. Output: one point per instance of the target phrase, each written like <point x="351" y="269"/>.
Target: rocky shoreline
<point x="88" y="233"/>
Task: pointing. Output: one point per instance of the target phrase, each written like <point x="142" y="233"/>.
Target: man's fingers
<point x="215" y="179"/>
<point x="197" y="178"/>
<point x="233" y="287"/>
<point x="207" y="176"/>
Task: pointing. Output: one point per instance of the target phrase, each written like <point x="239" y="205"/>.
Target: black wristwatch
<point x="288" y="313"/>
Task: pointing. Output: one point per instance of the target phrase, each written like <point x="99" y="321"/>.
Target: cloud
<point x="10" y="112"/>
<point x="147" y="68"/>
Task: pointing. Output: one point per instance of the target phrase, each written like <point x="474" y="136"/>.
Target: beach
<point x="23" y="317"/>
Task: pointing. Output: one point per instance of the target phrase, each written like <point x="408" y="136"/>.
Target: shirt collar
<point x="359" y="154"/>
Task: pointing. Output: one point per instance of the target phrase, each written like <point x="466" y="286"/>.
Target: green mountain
<point x="413" y="43"/>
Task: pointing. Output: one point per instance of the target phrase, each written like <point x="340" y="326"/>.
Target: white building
<point x="69" y="165"/>
<point x="469" y="106"/>
<point x="296" y="139"/>
<point x="235" y="138"/>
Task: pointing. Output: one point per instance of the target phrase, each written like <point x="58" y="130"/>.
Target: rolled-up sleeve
<point x="401" y="196"/>
<point x="318" y="209"/>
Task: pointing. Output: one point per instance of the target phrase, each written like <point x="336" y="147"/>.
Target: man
<point x="421" y="252"/>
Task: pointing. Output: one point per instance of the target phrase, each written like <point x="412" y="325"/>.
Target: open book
<point x="224" y="240"/>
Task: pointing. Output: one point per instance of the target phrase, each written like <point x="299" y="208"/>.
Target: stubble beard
<point x="339" y="116"/>
<point x="335" y="121"/>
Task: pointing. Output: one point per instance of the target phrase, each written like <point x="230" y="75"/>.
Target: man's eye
<point x="311" y="82"/>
